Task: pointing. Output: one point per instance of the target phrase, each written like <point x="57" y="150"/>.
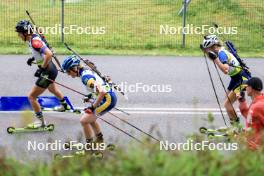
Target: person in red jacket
<point x="254" y="113"/>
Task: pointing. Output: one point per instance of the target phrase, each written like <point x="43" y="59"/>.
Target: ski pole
<point x="96" y="116"/>
<point x="120" y="129"/>
<point x="76" y="91"/>
<point x="212" y="82"/>
<point x="134" y="127"/>
<point x="225" y="91"/>
<point x="108" y="112"/>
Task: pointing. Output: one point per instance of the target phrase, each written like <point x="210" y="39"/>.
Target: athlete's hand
<point x="241" y="96"/>
<point x="38" y="72"/>
<point x="89" y="109"/>
<point x="30" y="61"/>
<point x="87" y="98"/>
<point x="212" y="55"/>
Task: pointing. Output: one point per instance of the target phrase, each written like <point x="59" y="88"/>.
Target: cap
<point x="255" y="83"/>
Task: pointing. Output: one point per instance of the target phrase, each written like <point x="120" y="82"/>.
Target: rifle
<point x="233" y="51"/>
<point x="94" y="68"/>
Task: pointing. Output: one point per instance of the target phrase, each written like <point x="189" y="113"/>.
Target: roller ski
<point x="205" y="130"/>
<point x="52" y="104"/>
<point x="91" y="153"/>
<point x="223" y="132"/>
<point x="37" y="126"/>
<point x="82" y="152"/>
<point x="109" y="147"/>
<point x="56" y="109"/>
<point x="214" y="133"/>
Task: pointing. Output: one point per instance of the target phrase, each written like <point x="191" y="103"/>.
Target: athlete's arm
<point x="223" y="67"/>
<point x="101" y="93"/>
<point x="47" y="55"/>
<point x="222" y="62"/>
<point x="43" y="50"/>
<point x="90" y="82"/>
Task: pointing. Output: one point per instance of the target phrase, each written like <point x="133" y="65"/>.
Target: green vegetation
<point x="146" y="160"/>
<point x="133" y="26"/>
<point x="150" y="159"/>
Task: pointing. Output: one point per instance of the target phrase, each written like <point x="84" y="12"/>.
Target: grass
<point x="21" y="49"/>
<point x="145" y="160"/>
<point x="148" y="159"/>
<point x="133" y="26"/>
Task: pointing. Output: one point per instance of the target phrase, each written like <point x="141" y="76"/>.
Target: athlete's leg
<point x="54" y="90"/>
<point x="32" y="96"/>
<point x="96" y="127"/>
<point x="97" y="130"/>
<point x="86" y="120"/>
<point x="106" y="105"/>
<point x="229" y="101"/>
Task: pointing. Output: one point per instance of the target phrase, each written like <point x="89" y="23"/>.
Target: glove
<point x="30" y="61"/>
<point x="242" y="97"/>
<point x="87" y="98"/>
<point x="212" y="55"/>
<point x="89" y="110"/>
<point x="39" y="72"/>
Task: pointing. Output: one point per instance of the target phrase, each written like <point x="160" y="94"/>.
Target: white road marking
<point x="170" y="109"/>
<point x="139" y="110"/>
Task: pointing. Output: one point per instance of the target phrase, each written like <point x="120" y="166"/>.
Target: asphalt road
<point x="180" y="108"/>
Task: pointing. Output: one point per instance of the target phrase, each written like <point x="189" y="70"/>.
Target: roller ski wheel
<point x="67" y="145"/>
<point x="12" y="130"/>
<point x="77" y="111"/>
<point x="97" y="154"/>
<point x="203" y="130"/>
<point x="111" y="147"/>
<point x="50" y="127"/>
<point x="211" y="135"/>
<point x="58" y="156"/>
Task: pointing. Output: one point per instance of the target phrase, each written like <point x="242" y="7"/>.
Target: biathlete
<point x="229" y="65"/>
<point x="42" y="56"/>
<point x="101" y="97"/>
